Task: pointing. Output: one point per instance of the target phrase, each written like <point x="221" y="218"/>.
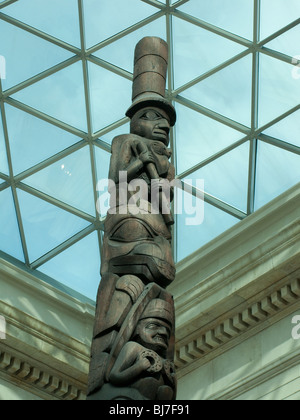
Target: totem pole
<point x="133" y="341"/>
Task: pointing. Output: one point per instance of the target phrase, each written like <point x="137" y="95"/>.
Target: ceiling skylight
<point x="66" y="75"/>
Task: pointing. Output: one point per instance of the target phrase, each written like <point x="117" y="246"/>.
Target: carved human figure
<point x="143" y="154"/>
<point x="133" y="341"/>
<point x="142" y="369"/>
<point x="146" y="144"/>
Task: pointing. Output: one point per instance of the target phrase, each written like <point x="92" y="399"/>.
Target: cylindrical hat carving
<point x="149" y="77"/>
<point x="151" y="45"/>
<point x="150" y="67"/>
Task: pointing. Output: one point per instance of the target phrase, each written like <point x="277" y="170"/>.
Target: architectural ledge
<point x="239" y="284"/>
<point x="46" y="350"/>
<point x="230" y="290"/>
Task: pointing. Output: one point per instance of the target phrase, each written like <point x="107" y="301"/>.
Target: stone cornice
<point x="41" y="358"/>
<point x="48" y="336"/>
<point x="239" y="284"/>
<point x="243" y="323"/>
<point x="38" y="380"/>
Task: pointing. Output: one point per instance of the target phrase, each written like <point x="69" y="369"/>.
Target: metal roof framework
<point x="93" y="139"/>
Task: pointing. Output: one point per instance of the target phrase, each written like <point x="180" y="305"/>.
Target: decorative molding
<point x="239" y="284"/>
<point x="46" y="351"/>
<point x="38" y="380"/>
<point x="239" y="326"/>
<point x="236" y="281"/>
<point x="253" y="380"/>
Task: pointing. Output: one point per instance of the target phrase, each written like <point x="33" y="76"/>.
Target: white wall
<point x="11" y="392"/>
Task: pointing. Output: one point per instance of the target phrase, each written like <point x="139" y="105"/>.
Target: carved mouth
<point x="160" y="340"/>
<point x="161" y="133"/>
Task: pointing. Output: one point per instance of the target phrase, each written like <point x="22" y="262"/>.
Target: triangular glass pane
<point x="212" y="222"/>
<point x="3" y="156"/>
<point x="57" y="18"/>
<point x="123" y="129"/>
<point x="277" y="171"/>
<point x="69" y="180"/>
<point x="26" y="55"/>
<point x="279" y="88"/>
<point x="287" y="129"/>
<point x="33" y="140"/>
<point x="10" y="241"/>
<point x="275" y="14"/>
<point x="226" y="178"/>
<point x="121" y="52"/>
<point x="197" y="50"/>
<point x="102" y="164"/>
<point x="110" y="96"/>
<point x="287" y="43"/>
<point x="78" y="267"/>
<point x="106" y="18"/>
<point x="46" y="226"/>
<point x="227" y="92"/>
<point x="60" y="95"/>
<point x="199" y="137"/>
<point x="233" y="15"/>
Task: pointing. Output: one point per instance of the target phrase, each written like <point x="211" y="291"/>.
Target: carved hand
<point x="155" y="363"/>
<point x="144" y="363"/>
<point x="147" y="157"/>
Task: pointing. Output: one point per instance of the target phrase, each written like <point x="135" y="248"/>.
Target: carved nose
<point x="164" y="125"/>
<point x="163" y="332"/>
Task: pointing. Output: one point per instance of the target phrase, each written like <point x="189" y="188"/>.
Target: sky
<point x="61" y="113"/>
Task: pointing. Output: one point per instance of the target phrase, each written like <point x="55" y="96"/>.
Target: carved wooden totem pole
<point x="133" y="343"/>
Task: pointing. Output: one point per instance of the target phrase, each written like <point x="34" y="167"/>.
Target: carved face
<point x="154" y="334"/>
<point x="152" y="123"/>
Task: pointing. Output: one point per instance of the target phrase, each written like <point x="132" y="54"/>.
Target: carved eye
<point x="131" y="230"/>
<point x="156" y="325"/>
<point x="151" y="116"/>
<point x="153" y="325"/>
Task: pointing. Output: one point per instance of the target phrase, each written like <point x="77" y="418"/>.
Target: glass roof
<point x="66" y="79"/>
